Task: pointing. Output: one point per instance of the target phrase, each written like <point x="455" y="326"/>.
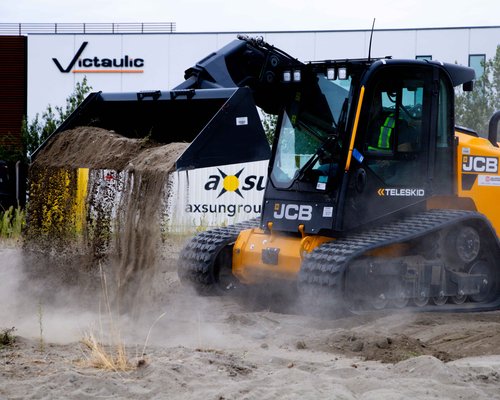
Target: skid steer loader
<point x="374" y="197"/>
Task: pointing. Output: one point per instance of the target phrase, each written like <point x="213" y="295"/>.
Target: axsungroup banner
<point x="192" y="199"/>
<point x="216" y="195"/>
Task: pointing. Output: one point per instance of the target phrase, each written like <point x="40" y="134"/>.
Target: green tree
<point x="36" y="131"/>
<point x="11" y="152"/>
<point x="474" y="109"/>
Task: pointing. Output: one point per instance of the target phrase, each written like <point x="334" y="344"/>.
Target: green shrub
<point x="12" y="222"/>
<point x="7" y="337"/>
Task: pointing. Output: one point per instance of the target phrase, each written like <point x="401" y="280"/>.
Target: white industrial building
<point x="124" y="60"/>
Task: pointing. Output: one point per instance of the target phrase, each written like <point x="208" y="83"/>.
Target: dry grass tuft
<point x="112" y="357"/>
<point x="108" y="357"/>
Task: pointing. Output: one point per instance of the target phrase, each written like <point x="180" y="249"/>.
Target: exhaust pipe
<point x="493" y="129"/>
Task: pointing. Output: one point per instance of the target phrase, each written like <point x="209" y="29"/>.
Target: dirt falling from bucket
<point x="121" y="227"/>
<point x="140" y="237"/>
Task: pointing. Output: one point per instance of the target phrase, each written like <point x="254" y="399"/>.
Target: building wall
<point x="166" y="56"/>
<point x="12" y="90"/>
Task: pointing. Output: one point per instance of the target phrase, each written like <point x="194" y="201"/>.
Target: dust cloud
<point x="113" y="258"/>
<point x="59" y="319"/>
<point x="43" y="306"/>
<point x="116" y="264"/>
<point x="119" y="226"/>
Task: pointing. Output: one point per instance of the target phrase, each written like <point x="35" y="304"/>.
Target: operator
<point x="381" y="126"/>
<point x="406" y="135"/>
<point x="396" y="170"/>
<point x="386" y="131"/>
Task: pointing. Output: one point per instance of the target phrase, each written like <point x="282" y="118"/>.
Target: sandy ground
<point x="234" y="348"/>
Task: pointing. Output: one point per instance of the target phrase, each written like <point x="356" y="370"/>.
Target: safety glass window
<point x="395" y="129"/>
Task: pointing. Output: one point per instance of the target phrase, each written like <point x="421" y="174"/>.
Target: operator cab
<point x="380" y="133"/>
<point x="307" y="152"/>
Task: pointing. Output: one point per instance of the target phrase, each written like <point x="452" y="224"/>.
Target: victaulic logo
<point x="125" y="64"/>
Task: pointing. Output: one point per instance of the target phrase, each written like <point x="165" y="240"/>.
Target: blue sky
<point x="259" y="15"/>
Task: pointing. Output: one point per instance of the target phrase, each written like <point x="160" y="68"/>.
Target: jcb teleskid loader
<point x="374" y="197"/>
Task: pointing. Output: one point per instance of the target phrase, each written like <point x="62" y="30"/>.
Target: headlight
<point x="331" y="74"/>
<point x="296" y="75"/>
<point x="342" y="73"/>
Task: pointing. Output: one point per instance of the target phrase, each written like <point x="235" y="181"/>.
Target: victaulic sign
<point x="125" y="64"/>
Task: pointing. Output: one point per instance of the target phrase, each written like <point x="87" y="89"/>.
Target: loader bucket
<point x="214" y="120"/>
<point x="146" y="165"/>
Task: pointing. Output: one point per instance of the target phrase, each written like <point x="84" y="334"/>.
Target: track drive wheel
<point x="458" y="299"/>
<point x="463" y="244"/>
<point x="440" y="300"/>
<point x="224" y="280"/>
<point x="379" y="302"/>
<point x="421" y="300"/>
<point x="400" y="302"/>
<point x="402" y="299"/>
<point x="488" y="284"/>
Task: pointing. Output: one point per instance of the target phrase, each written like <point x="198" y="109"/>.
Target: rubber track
<point x="323" y="269"/>
<point x="197" y="257"/>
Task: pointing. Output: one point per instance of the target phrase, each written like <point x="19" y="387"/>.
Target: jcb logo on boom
<point x="479" y="164"/>
<point x="293" y="212"/>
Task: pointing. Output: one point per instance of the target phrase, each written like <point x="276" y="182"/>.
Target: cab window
<point x="394" y="133"/>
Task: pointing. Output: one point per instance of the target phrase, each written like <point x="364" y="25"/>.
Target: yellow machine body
<point x="249" y="266"/>
<point x="478" y="175"/>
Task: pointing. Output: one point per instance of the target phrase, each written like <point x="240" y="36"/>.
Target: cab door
<point x="392" y="173"/>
